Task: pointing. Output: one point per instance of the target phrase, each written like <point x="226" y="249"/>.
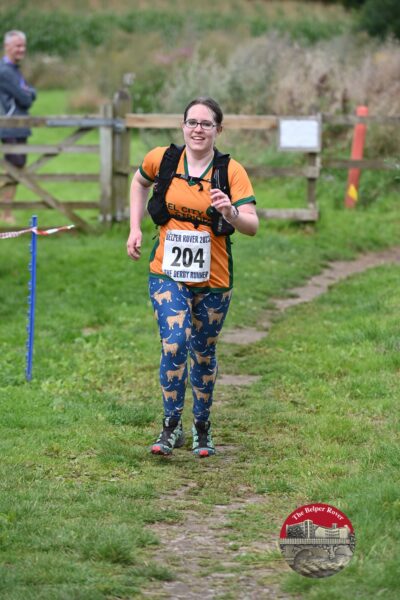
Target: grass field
<point x="78" y="485"/>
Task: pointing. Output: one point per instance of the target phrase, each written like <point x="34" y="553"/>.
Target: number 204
<point x="185" y="257"/>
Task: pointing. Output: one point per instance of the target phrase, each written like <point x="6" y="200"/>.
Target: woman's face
<point x="200" y="140"/>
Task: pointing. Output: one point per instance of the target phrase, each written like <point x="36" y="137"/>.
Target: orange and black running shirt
<point x="186" y="199"/>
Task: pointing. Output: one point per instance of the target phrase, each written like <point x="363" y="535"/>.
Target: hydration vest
<point x="157" y="206"/>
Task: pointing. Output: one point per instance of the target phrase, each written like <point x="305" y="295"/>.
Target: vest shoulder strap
<point x="169" y="162"/>
<point x="220" y="172"/>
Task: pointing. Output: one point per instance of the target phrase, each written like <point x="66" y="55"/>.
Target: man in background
<point x="16" y="97"/>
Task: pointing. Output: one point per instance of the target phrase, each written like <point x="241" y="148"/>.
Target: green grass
<point x="73" y="28"/>
<point x="78" y="486"/>
<point x="323" y="425"/>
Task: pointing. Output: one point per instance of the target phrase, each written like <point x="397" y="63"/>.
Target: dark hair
<point x="210" y="103"/>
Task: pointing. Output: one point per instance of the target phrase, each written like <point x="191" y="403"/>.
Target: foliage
<point x="260" y="57"/>
<point x="151" y="20"/>
<point x="147" y="92"/>
<point x="305" y="29"/>
<point x="57" y="32"/>
<point x="61" y="33"/>
<point x="275" y="75"/>
<point x="353" y="3"/>
<point x="381" y="18"/>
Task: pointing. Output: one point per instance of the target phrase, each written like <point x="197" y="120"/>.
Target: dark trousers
<point x="18" y="160"/>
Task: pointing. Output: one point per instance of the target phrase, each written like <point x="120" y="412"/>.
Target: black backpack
<point x="157" y="206"/>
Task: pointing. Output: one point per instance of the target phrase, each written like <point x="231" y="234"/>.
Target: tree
<point x="381" y="17"/>
<point x="353" y="3"/>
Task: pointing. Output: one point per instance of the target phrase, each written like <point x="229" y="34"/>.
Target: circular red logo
<point x="317" y="540"/>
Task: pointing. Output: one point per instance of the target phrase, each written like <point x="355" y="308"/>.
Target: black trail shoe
<point x="170" y="437"/>
<point x="203" y="444"/>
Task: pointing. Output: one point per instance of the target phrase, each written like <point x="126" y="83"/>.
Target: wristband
<point x="235" y="215"/>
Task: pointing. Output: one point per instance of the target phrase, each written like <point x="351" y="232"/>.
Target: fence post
<point x="357" y="151"/>
<point x="106" y="166"/>
<point x="314" y="162"/>
<point x="120" y="155"/>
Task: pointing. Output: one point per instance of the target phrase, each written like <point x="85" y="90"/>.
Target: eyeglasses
<point x="206" y="125"/>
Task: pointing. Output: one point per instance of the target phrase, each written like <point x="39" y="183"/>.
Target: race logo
<point x="317" y="540"/>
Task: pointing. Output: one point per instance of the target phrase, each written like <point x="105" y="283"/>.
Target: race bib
<point x="187" y="255"/>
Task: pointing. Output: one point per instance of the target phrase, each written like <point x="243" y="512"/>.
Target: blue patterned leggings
<point x="189" y="323"/>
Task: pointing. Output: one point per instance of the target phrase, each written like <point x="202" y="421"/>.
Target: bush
<point x="353" y="3"/>
<point x="275" y="75"/>
<point x="168" y="23"/>
<point x="381" y="18"/>
<point x="146" y="92"/>
<point x="308" y="30"/>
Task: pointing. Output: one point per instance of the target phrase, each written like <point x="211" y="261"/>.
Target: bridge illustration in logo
<point x="317" y="551"/>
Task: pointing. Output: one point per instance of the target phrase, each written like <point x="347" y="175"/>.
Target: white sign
<point x="300" y="134"/>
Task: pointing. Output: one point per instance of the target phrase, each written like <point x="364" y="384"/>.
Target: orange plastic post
<point x="357" y="151"/>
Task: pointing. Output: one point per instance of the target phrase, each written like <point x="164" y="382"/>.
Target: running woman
<point x="191" y="267"/>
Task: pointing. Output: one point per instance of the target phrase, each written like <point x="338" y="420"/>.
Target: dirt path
<point x="197" y="551"/>
<point x="316" y="286"/>
<point x="203" y="560"/>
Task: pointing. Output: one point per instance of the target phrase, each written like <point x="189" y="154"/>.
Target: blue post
<point x="31" y="302"/>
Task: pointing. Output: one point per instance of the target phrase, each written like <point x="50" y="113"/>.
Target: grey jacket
<point x="11" y="91"/>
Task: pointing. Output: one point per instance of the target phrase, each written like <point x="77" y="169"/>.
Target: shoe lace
<point x="168" y="432"/>
<point x="203" y="434"/>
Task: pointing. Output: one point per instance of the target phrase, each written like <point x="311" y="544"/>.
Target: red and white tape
<point x="14" y="234"/>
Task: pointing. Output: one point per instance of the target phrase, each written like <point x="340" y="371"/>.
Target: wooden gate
<point x="113" y="151"/>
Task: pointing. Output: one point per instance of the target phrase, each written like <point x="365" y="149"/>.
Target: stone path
<point x="197" y="551"/>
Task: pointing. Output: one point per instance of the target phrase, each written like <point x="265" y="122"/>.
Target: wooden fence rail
<point x="174" y="121"/>
<point x="114" y="125"/>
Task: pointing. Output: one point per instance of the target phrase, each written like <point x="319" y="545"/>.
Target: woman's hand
<point x="134" y="243"/>
<point x="222" y="203"/>
<point x="244" y="219"/>
<point x="138" y="197"/>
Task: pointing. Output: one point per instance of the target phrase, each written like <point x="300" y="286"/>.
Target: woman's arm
<point x="138" y="198"/>
<point x="244" y="218"/>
